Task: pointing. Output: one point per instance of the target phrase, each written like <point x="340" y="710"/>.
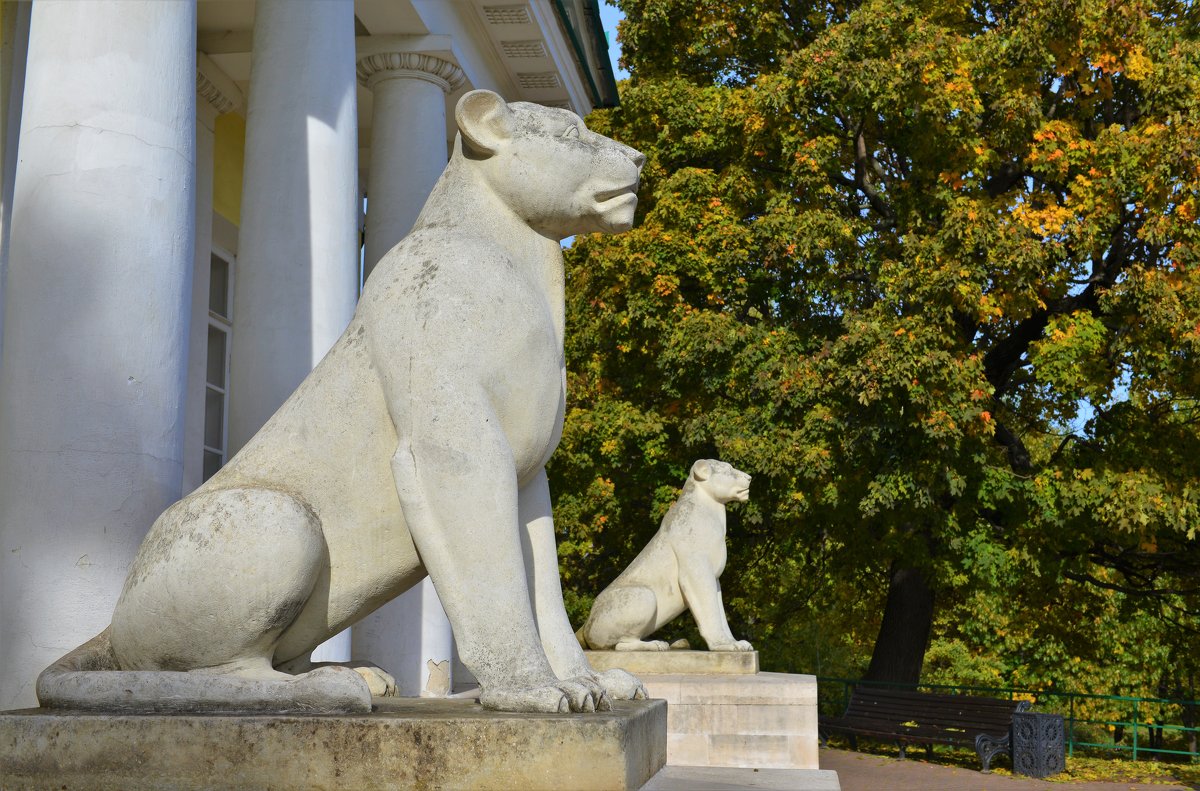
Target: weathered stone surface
<point x="671" y="662"/>
<point x="404" y="744"/>
<point x="768" y="720"/>
<point x="680" y="569"/>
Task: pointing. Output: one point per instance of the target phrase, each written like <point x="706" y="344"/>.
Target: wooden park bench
<point x="926" y="718"/>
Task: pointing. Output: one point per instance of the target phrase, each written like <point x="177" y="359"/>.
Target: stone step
<point x="720" y="778"/>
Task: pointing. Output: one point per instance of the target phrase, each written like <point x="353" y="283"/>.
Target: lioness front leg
<point x="702" y="592"/>
<point x="460" y="503"/>
<point x="545" y="587"/>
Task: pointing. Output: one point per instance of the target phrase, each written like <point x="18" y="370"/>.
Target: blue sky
<point x="610" y="15"/>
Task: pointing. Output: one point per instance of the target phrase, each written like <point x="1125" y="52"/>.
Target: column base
<point x="403" y="743"/>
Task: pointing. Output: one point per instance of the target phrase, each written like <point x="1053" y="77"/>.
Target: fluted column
<point x="95" y="325"/>
<point x="411" y="636"/>
<point x="408" y="138"/>
<point x="297" y="277"/>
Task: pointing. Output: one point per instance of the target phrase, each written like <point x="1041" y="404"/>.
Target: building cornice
<point x="215" y="87"/>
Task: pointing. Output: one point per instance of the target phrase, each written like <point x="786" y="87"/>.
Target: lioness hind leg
<point x="622" y="616"/>
<point x="220" y="576"/>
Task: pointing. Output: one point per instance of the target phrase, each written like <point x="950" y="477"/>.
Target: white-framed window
<point x="220" y="337"/>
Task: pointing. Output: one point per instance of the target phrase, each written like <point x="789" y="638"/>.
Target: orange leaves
<point x="665" y="285"/>
<point x="954" y="180"/>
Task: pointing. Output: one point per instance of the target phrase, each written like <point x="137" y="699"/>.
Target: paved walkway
<point x="862" y="772"/>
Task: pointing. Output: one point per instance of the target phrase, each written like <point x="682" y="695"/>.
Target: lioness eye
<point x="571" y="131"/>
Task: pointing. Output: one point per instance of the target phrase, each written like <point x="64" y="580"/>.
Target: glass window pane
<point x="212" y="463"/>
<point x="214" y="419"/>
<point x="216" y="357"/>
<point x="218" y="286"/>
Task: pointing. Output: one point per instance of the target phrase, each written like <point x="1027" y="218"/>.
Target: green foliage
<point x="930" y="271"/>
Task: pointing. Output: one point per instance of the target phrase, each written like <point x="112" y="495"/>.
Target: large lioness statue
<point x="417" y="446"/>
<point x="680" y="569"/>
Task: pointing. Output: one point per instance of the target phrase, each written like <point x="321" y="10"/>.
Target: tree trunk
<point x="904" y="633"/>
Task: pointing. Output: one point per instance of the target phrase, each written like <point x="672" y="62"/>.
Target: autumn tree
<point x="930" y="271"/>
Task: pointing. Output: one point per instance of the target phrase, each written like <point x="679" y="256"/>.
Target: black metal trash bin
<point x="1038" y="744"/>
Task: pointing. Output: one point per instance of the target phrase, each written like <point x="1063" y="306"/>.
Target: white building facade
<point x="192" y="193"/>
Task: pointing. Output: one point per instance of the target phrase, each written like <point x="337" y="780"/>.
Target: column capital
<point x="379" y="66"/>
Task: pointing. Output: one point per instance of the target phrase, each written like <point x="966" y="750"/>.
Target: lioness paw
<point x="621" y="685"/>
<point x="381" y="683"/>
<point x="736" y="645"/>
<point x="642" y="645"/>
<point x="548" y="699"/>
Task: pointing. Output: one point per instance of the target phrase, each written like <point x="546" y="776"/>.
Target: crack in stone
<point x="102" y="130"/>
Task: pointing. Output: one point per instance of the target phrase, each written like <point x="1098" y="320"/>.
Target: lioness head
<point x="544" y="163"/>
<point x="722" y="482"/>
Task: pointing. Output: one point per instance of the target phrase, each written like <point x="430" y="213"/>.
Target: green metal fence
<point x="1143" y="727"/>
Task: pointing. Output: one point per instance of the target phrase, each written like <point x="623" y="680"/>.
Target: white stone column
<point x="215" y="94"/>
<point x="298" y="247"/>
<point x="408" y="137"/>
<point x="95" y="341"/>
<point x="408" y="154"/>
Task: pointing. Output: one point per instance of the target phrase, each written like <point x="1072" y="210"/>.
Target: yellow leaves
<point x="1047" y="221"/>
<point x="940" y="422"/>
<point x="665" y="285"/>
<point x="988" y="311"/>
<point x="608" y="447"/>
<point x="1134" y="63"/>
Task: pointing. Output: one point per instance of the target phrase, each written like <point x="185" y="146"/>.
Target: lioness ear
<point x="485" y="121"/>
<point x="701" y="470"/>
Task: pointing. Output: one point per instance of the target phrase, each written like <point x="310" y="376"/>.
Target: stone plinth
<point x="672" y="662"/>
<point x="404" y="743"/>
<point x="767" y="720"/>
<point x="714" y="778"/>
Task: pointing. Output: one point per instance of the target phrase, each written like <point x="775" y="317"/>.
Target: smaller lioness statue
<point x="678" y="570"/>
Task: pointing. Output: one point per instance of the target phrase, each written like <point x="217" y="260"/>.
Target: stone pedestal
<point x="765" y="720"/>
<point x="403" y="743"/>
<point x="721" y="663"/>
